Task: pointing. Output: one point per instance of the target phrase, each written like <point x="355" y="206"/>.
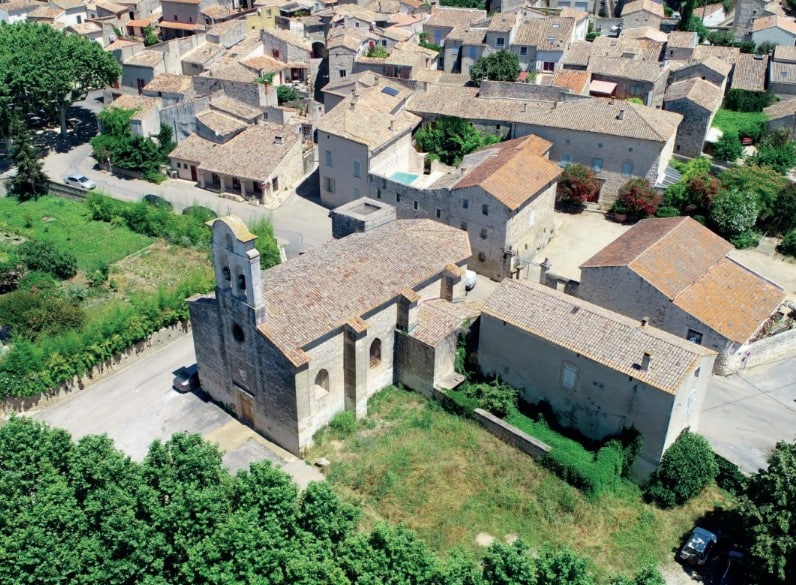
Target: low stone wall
<point x="511" y="435"/>
<point x="758" y="353"/>
<point x="141" y="349"/>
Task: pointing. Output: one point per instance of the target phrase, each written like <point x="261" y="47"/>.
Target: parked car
<point x="697" y="549"/>
<point x="79" y="181"/>
<point x="187" y="379"/>
<point x="158" y="201"/>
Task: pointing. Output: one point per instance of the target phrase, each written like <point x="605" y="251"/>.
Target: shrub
<point x="638" y="198"/>
<point x="734" y="212"/>
<point x="747" y="239"/>
<point x="499" y="399"/>
<point x="266" y="243"/>
<point x="788" y="244"/>
<point x="10" y="275"/>
<point x="203" y="214"/>
<point x="343" y="423"/>
<point x="686" y="468"/>
<point x="577" y="184"/>
<point x="44" y="256"/>
<point x="285" y="93"/>
<point x="741" y="100"/>
<point x="728" y="147"/>
<point x="730" y="477"/>
<point x="776" y="151"/>
<point x="498" y="66"/>
<point x="667" y="211"/>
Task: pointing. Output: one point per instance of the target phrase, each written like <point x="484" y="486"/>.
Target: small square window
<point x="627" y="169"/>
<point x="597" y="165"/>
<point x="569" y="376"/>
<point x="483" y="233"/>
<point x="501" y="42"/>
<point x="523" y="51"/>
<point x="694" y="337"/>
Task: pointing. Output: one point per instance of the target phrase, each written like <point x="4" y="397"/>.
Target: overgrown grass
<point x="66" y="223"/>
<point x="742" y="123"/>
<point x="448" y="479"/>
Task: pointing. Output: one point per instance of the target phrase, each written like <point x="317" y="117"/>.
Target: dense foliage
<point x="30" y="180"/>
<point x="83" y="511"/>
<point x="768" y="513"/>
<point x="45" y="256"/>
<point x="577" y="184"/>
<point x="788" y="244"/>
<point x="686" y="468"/>
<point x="733" y="213"/>
<point x="43" y="70"/>
<point x="777" y="151"/>
<point x="286" y="93"/>
<point x="638" y="199"/>
<point x="742" y="100"/>
<point x="150" y="38"/>
<point x="728" y="148"/>
<point x="451" y="138"/>
<point x="119" y="147"/>
<point x="498" y="66"/>
<point x="266" y="243"/>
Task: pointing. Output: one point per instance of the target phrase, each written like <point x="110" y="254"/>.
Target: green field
<point x="65" y="223"/>
<point x="450" y="480"/>
<point x="736" y="122"/>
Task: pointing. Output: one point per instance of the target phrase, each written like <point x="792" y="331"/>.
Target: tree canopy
<point x="42" y="71"/>
<point x="451" y="138"/>
<point x="498" y="66"/>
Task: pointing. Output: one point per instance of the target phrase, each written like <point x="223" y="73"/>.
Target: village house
<point x="140" y="67"/>
<point x="17" y="10"/>
<point x="540" y="43"/>
<point x="782" y="71"/>
<point x="146" y="119"/>
<point x="288" y="48"/>
<point x="402" y="62"/>
<point x="74" y="11"/>
<point x="697" y="101"/>
<point x="600" y="372"/>
<point x="172" y="88"/>
<point x="343" y="46"/>
<point x="777" y="30"/>
<point x="181" y="18"/>
<point x="447" y="22"/>
<point x="782" y="116"/>
<point x="642" y="13"/>
<point x="680" y="45"/>
<point x="287" y="348"/>
<point x="711" y="69"/>
<point x="507" y="221"/>
<point x="88" y="30"/>
<point x="712" y="15"/>
<point x="750" y="72"/>
<point x="677" y="273"/>
<point x="368" y="129"/>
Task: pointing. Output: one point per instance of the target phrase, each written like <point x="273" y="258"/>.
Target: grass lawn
<point x="734" y="122"/>
<point x="65" y="223"/>
<point x="449" y="480"/>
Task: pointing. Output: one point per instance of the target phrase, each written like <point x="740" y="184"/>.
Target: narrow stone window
<point x="227" y="274"/>
<point x="375" y="353"/>
<point x="241" y="282"/>
<point x="321" y="383"/>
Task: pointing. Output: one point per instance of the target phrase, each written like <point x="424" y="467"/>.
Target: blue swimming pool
<point x="404" y="177"/>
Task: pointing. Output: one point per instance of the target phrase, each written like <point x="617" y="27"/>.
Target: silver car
<point x="79" y="181"/>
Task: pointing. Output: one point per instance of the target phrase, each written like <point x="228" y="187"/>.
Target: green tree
<point x="686" y="468"/>
<point x="45" y="70"/>
<point x="498" y="66"/>
<point x="508" y="564"/>
<point x="451" y="138"/>
<point x="30" y="180"/>
<point x="766" y="184"/>
<point x="266" y="243"/>
<point x="783" y="216"/>
<point x="788" y="244"/>
<point x="285" y="93"/>
<point x="150" y="38"/>
<point x="118" y="146"/>
<point x="776" y="151"/>
<point x="768" y="511"/>
<point x="721" y="38"/>
<point x="562" y="567"/>
<point x="728" y="147"/>
<point x="741" y="100"/>
<point x="576" y="185"/>
<point x="378" y="52"/>
<point x="45" y="256"/>
<point x="165" y="142"/>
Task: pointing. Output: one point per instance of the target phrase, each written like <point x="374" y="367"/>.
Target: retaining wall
<point x="758" y="353"/>
<point x="131" y="355"/>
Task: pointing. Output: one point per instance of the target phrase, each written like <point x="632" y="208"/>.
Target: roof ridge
<point x="659" y="240"/>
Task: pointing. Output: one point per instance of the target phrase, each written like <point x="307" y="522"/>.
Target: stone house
<point x="677" y="273"/>
<point x="447" y="22"/>
<point x="88" y="30"/>
<point x="403" y="62"/>
<point x="253" y="163"/>
<point x="712" y="15"/>
<point x="111" y="12"/>
<point x="637" y="78"/>
<point x="750" y="72"/>
<point x="74" y="11"/>
<point x="697" y="101"/>
<point x="600" y="372"/>
<point x="288" y="48"/>
<point x="343" y="46"/>
<point x="501" y="29"/>
<point x="782" y="115"/>
<point x="17" y="10"/>
<point x="288" y="348"/>
<point x="782" y="71"/>
<point x="146" y="120"/>
<point x="777" y="30"/>
<point x="507" y="221"/>
<point x="746" y="11"/>
<point x="181" y="18"/>
<point x="171" y="88"/>
<point x="143" y="66"/>
<point x="642" y="13"/>
<point x="710" y="69"/>
<point x="680" y="45"/>
<point x="368" y="129"/>
<point x="540" y="43"/>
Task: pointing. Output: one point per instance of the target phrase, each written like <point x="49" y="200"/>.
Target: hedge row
<point x="150" y="220"/>
<point x="32" y="368"/>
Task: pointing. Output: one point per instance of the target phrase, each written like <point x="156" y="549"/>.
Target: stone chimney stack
<point x="645" y="321"/>
<point x="645" y="361"/>
<point x="621" y="115"/>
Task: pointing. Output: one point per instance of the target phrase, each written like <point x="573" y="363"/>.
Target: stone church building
<point x="289" y="347"/>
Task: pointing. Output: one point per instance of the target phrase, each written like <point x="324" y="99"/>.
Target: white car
<point x="80" y="181"/>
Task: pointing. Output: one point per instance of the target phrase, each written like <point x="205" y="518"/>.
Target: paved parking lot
<point x="137" y="405"/>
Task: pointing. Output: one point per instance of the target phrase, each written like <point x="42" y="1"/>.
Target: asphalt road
<point x="136" y="405"/>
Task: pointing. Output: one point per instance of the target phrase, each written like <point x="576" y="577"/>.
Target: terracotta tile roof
<point x="263" y="63"/>
<point x="252" y="154"/>
<point x="170" y="83"/>
<point x="644" y="32"/>
<point x="632" y="69"/>
<point x="463" y="102"/>
<point x="194" y="148"/>
<point x="233" y="107"/>
<point x="643" y="5"/>
<point x="355" y="11"/>
<point x="785" y="54"/>
<point x="438" y="318"/>
<point x="45" y="12"/>
<point x="726" y="54"/>
<point x="575" y="81"/>
<point x="496" y="168"/>
<point x="750" y="72"/>
<point x="503" y="22"/>
<point x="546" y="34"/>
<point x="468" y="36"/>
<point x="395" y="34"/>
<point x="598" y="334"/>
<point x="569" y="12"/>
<point x="627" y="47"/>
<point x="774" y="21"/>
<point x="230" y="70"/>
<point x="141" y="103"/>
<point x="781" y="109"/>
<point x="317" y="293"/>
<point x="578" y="54"/>
<point x="698" y="91"/>
<point x="669" y="253"/>
<point x="111" y="7"/>
<point x="180" y="25"/>
<point x="395" y="57"/>
<point x="19" y="6"/>
<point x="404" y="19"/>
<point x="121" y="43"/>
<point x="782" y="72"/>
<point x="708" y="10"/>
<point x="141" y="23"/>
<point x="180" y="1"/>
<point x="350" y="38"/>
<point x="444" y="17"/>
<point x="68" y="4"/>
<point x="217" y="11"/>
<point x="732" y="300"/>
<point x="683" y="39"/>
<point x="221" y="124"/>
<point x="202" y="53"/>
<point x="145" y="58"/>
<point x="288" y="37"/>
<point x="377" y="117"/>
<point x="85" y="28"/>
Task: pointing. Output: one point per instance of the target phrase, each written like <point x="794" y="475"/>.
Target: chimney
<point x="392" y="124"/>
<point x="645" y="321"/>
<point x="525" y="107"/>
<point x="278" y="139"/>
<point x="621" y="115"/>
<point x="645" y="361"/>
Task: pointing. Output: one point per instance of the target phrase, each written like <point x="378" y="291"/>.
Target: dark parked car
<point x="696" y="550"/>
<point x="187" y="379"/>
<point x="158" y="201"/>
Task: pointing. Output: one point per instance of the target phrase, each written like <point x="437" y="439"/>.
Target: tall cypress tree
<point x="30" y="180"/>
